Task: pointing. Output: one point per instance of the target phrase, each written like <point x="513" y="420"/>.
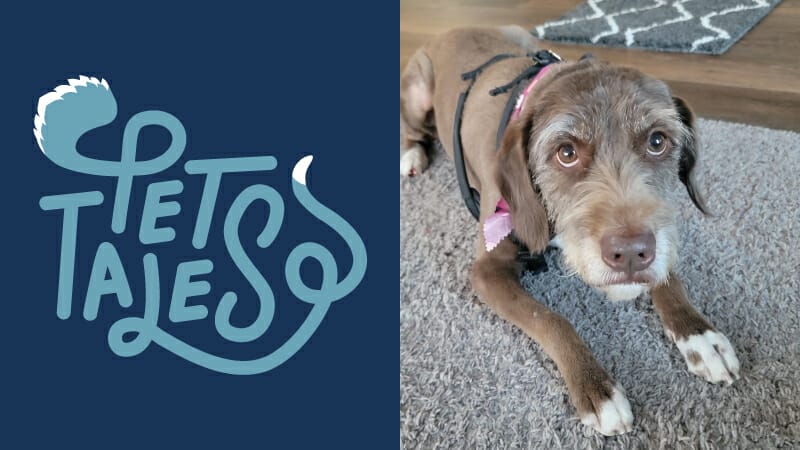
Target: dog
<point x="589" y="159"/>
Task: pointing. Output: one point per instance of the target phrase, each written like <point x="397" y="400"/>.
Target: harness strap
<point x="473" y="74"/>
<point x="533" y="261"/>
<point x="504" y="119"/>
<point x="527" y="73"/>
<point x="471" y="197"/>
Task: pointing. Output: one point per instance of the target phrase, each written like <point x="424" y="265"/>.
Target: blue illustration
<point x="87" y="103"/>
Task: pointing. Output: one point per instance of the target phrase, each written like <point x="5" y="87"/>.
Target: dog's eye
<point x="567" y="156"/>
<point x="657" y="144"/>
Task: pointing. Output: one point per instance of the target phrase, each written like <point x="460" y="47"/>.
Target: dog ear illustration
<point x="688" y="155"/>
<point x="514" y="178"/>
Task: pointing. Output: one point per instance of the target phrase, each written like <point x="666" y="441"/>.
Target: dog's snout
<point x="630" y="253"/>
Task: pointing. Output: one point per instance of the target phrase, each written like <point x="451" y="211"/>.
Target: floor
<point x="757" y="81"/>
<point x="468" y="379"/>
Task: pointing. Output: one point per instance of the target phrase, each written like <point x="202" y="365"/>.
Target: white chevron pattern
<point x="614" y="28"/>
<point x="592" y="4"/>
<point x="685" y="15"/>
<point x="630" y="33"/>
<point x="720" y="33"/>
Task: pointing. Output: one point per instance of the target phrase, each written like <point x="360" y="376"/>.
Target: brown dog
<point x="592" y="155"/>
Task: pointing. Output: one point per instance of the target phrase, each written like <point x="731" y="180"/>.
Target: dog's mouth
<point x="624" y="291"/>
<point x="618" y="278"/>
<point x="626" y="286"/>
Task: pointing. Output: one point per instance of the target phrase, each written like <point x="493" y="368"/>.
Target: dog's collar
<point x="499" y="225"/>
<point x="523" y="97"/>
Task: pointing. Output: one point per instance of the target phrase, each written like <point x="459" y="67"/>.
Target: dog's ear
<point x="688" y="155"/>
<point x="513" y="177"/>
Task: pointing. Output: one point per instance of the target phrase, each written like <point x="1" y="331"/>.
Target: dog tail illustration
<point x="69" y="111"/>
<point x="331" y="289"/>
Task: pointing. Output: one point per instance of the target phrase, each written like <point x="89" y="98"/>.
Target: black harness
<point x="533" y="262"/>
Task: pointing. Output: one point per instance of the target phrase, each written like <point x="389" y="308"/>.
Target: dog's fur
<point x="607" y="114"/>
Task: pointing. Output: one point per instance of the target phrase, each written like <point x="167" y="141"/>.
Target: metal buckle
<point x="532" y="262"/>
<point x="545" y="57"/>
<point x="554" y="55"/>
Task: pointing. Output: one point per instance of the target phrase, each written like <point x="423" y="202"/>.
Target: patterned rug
<point x="470" y="380"/>
<point x="694" y="26"/>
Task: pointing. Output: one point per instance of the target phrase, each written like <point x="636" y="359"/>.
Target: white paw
<point x="710" y="356"/>
<point x="613" y="417"/>
<point x="413" y="161"/>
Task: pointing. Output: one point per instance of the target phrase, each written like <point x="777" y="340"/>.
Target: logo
<point x="84" y="104"/>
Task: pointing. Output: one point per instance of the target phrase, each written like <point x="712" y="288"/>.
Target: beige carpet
<point x="470" y="380"/>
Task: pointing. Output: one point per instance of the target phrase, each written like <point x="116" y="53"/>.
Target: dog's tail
<point x="69" y="111"/>
<point x="521" y="37"/>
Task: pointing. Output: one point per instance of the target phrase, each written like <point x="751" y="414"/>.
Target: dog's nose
<point x="628" y="252"/>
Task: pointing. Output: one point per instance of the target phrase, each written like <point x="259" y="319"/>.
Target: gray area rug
<point x="696" y="26"/>
<point x="468" y="379"/>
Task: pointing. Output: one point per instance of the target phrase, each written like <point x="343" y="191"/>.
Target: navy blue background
<point x="313" y="79"/>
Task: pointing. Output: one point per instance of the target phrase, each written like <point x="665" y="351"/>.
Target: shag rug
<point x="695" y="26"/>
<point x="468" y="379"/>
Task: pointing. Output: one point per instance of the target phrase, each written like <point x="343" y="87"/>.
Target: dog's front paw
<point x="710" y="356"/>
<point x="607" y="411"/>
<point x="413" y="161"/>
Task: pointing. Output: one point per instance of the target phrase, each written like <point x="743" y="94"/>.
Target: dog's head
<point x="594" y="154"/>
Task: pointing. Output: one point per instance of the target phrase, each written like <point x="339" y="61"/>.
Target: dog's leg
<point x="707" y="352"/>
<point x="416" y="114"/>
<point x="600" y="403"/>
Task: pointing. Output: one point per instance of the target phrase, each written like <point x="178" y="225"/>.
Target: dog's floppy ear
<point x="513" y="177"/>
<point x="688" y="155"/>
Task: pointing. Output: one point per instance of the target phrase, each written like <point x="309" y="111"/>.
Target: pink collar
<point x="526" y="92"/>
<point x="499" y="225"/>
